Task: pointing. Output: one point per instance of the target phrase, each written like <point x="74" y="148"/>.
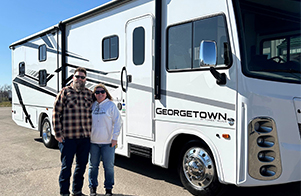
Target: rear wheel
<point x="197" y="170"/>
<point x="48" y="139"/>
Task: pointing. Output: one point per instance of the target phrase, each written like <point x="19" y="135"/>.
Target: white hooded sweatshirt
<point x="106" y="122"/>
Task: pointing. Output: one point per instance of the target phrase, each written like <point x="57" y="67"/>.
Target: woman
<point x="106" y="123"/>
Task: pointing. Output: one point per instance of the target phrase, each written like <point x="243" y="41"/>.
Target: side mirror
<point x="208" y="54"/>
<point x="208" y="57"/>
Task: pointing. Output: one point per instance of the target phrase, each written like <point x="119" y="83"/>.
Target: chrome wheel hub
<point x="46" y="130"/>
<point x="198" y="167"/>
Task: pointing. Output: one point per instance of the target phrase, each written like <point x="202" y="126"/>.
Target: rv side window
<point x="138" y="45"/>
<point x="184" y="41"/>
<point x="42" y="53"/>
<point x="43" y="77"/>
<point x="22" y="69"/>
<point x="110" y="48"/>
<point x="179" y="43"/>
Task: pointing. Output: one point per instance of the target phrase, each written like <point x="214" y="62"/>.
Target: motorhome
<point x="211" y="87"/>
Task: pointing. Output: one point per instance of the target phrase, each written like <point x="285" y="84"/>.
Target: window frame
<point x="110" y="48"/>
<point x="192" y="39"/>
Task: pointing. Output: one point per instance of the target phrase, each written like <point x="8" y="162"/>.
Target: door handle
<point x="129" y="78"/>
<point x="124" y="88"/>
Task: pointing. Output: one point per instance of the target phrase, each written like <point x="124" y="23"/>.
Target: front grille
<point x="264" y="156"/>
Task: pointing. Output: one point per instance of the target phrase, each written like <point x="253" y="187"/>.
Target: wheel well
<point x="42" y="117"/>
<point x="177" y="146"/>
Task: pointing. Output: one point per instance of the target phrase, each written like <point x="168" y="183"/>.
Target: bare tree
<point x="5" y="92"/>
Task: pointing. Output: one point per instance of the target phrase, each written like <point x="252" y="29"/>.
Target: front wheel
<point x="197" y="170"/>
<point x="48" y="139"/>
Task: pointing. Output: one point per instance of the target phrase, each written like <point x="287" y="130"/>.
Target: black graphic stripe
<point x="49" y="78"/>
<point x="198" y="99"/>
<point x="31" y="45"/>
<point x="106" y="84"/>
<point x="25" y="83"/>
<point x="35" y="46"/>
<point x="77" y="57"/>
<point x="69" y="79"/>
<point x="88" y="70"/>
<point x="47" y="41"/>
<point x="163" y="92"/>
<point x="22" y="104"/>
<point x="94" y="76"/>
<point x="31" y="77"/>
<point x="52" y="50"/>
<point x="58" y="69"/>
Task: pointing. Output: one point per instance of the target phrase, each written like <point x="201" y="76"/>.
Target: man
<point x="72" y="123"/>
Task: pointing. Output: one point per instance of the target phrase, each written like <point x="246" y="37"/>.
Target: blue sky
<point x="22" y="18"/>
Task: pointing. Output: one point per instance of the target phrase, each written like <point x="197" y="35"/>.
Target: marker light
<point x="226" y="136"/>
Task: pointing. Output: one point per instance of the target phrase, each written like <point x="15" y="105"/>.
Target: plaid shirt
<point x="71" y="116"/>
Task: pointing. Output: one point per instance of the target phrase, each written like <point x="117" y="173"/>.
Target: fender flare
<point x="193" y="132"/>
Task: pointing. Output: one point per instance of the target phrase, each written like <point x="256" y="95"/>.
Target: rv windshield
<point x="270" y="38"/>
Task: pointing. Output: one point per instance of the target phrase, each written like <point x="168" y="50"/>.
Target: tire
<point x="48" y="139"/>
<point x="197" y="170"/>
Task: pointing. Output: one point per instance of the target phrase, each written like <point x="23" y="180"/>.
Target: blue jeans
<point x="106" y="154"/>
<point x="69" y="148"/>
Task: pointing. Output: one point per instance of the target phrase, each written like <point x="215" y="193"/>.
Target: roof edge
<point x="72" y="19"/>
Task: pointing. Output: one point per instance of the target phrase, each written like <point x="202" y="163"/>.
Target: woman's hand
<point x="113" y="143"/>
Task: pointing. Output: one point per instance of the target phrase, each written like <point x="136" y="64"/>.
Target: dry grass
<point x="5" y="104"/>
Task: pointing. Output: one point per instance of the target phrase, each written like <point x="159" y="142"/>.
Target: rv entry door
<point x="139" y="65"/>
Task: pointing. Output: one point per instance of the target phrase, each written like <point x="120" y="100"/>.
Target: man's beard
<point x="79" y="85"/>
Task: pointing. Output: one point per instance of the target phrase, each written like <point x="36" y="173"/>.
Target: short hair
<point x="100" y="85"/>
<point x="80" y="69"/>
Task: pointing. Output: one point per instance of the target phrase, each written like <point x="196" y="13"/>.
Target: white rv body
<point x="252" y="117"/>
<point x="40" y="100"/>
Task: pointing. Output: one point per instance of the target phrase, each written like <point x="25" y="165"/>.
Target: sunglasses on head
<point x="102" y="92"/>
<point x="82" y="77"/>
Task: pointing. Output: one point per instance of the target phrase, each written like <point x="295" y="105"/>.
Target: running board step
<point x="140" y="150"/>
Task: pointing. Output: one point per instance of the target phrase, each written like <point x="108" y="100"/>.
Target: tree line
<point x="5" y="93"/>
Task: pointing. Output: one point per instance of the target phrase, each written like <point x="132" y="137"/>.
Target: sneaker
<point x="108" y="192"/>
<point x="93" y="191"/>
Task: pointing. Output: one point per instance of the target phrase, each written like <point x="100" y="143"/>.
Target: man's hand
<point x="59" y="139"/>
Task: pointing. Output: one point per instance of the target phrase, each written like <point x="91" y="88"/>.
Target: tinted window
<point x="106" y="49"/>
<point x="42" y="53"/>
<point x="114" y="47"/>
<point x="270" y="44"/>
<point x="43" y="77"/>
<point x="110" y="48"/>
<point x="179" y="46"/>
<point x="21" y="69"/>
<point x="184" y="43"/>
<point x="139" y="46"/>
